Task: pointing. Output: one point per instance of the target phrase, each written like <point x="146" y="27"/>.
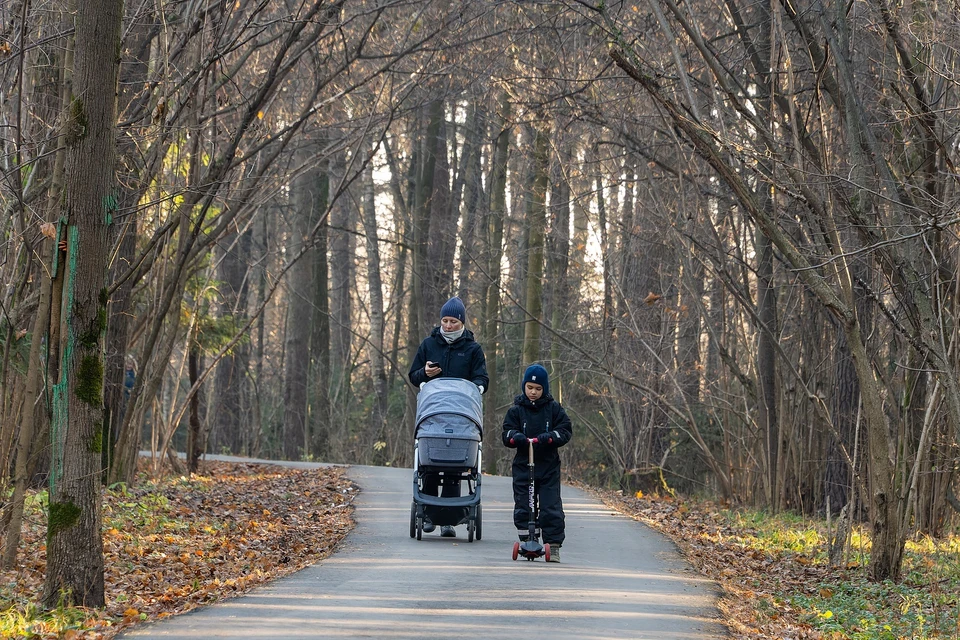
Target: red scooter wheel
<point x="516" y="550"/>
<point x="546" y="552"/>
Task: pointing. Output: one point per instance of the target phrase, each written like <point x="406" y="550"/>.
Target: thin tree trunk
<point x="299" y="292"/>
<point x="230" y="381"/>
<point x="498" y="206"/>
<point x="559" y="264"/>
<point x="133" y="75"/>
<point x="342" y="281"/>
<point x="605" y="250"/>
<point x="374" y="283"/>
<point x="320" y="335"/>
<point x="195" y="444"/>
<point x="31" y="397"/>
<point x="425" y="271"/>
<point x="536" y="223"/>
<point x="472" y="185"/>
<point x="766" y="367"/>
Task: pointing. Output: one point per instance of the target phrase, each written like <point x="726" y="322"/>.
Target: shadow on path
<point x="617" y="580"/>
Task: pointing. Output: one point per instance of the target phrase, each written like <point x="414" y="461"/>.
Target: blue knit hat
<point x="454" y="308"/>
<point x="536" y="374"/>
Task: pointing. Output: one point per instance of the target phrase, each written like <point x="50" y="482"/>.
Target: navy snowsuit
<point x="535" y="419"/>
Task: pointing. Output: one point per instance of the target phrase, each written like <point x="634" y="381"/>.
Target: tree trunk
<point x="473" y="190"/>
<point x="498" y="206"/>
<point x="32" y="392"/>
<point x="423" y="271"/>
<point x="320" y="322"/>
<point x="377" y="327"/>
<point x="536" y="223"/>
<point x="558" y="259"/>
<point x="195" y="443"/>
<point x="299" y="291"/>
<point x="133" y="75"/>
<point x="845" y="402"/>
<point x="442" y="234"/>
<point x="766" y="366"/>
<point x="74" y="546"/>
<point x="605" y="250"/>
<point x="230" y="380"/>
<point x="342" y="281"/>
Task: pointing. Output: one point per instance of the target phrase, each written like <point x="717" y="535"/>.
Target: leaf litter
<point x="750" y="579"/>
<point x="178" y="543"/>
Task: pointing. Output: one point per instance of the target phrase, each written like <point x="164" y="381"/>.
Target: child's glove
<point x="545" y="439"/>
<point x="518" y="439"/>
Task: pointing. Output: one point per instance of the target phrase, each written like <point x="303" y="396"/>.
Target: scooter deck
<point x="531" y="550"/>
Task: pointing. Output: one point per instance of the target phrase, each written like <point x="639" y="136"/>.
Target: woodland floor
<point x="179" y="543"/>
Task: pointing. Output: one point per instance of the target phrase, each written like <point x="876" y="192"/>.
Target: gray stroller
<point x="447" y="457"/>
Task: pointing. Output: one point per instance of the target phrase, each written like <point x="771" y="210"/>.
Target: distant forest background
<point x="726" y="227"/>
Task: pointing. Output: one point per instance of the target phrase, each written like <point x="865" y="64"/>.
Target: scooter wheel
<point x="546" y="552"/>
<point x="516" y="550"/>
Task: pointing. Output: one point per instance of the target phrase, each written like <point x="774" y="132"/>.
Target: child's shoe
<point x="554" y="553"/>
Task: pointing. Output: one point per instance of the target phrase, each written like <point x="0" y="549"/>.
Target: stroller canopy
<point x="450" y="396"/>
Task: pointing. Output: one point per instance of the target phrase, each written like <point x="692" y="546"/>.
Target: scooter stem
<point x="531" y="521"/>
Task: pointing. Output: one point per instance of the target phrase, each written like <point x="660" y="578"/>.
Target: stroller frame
<point x="447" y="457"/>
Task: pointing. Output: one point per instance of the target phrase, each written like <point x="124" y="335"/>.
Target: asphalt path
<point x="617" y="580"/>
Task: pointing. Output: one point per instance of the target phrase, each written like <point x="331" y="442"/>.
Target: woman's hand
<point x="432" y="369"/>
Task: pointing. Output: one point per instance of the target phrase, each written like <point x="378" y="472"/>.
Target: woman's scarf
<point x="451" y="336"/>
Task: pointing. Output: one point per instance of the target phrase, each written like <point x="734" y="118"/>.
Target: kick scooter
<point x="531" y="549"/>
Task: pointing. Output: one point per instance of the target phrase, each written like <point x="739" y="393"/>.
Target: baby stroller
<point x="446" y="457"/>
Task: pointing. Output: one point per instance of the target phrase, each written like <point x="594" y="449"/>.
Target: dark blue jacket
<point x="463" y="358"/>
<point x="534" y="419"/>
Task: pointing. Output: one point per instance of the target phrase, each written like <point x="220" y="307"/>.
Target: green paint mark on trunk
<point x="110" y="206"/>
<point x="63" y="515"/>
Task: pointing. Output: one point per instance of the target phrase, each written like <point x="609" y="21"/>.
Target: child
<point x="535" y="414"/>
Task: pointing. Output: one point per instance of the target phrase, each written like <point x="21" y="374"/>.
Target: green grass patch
<point x="776" y="534"/>
<point x="862" y="610"/>
<point x="924" y="604"/>
<point x="22" y="619"/>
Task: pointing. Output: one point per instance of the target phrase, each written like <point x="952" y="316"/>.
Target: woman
<point x="449" y="352"/>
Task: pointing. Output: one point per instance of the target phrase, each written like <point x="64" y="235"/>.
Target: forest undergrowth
<point x="177" y="543"/>
<point x="776" y="581"/>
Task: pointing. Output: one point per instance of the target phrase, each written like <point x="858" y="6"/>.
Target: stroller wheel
<point x="471" y="526"/>
<point x="516" y="550"/>
<point x="479" y="526"/>
<point x="413" y="520"/>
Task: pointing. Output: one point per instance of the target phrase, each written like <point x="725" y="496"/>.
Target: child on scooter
<point x="535" y="414"/>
